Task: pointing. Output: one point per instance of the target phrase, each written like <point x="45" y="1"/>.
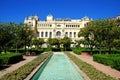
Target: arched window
<point x="46" y="34"/>
<point x="58" y="34"/>
<point x="74" y="34"/>
<point x="42" y="34"/>
<point x="66" y="34"/>
<point x="50" y="34"/>
<point x="37" y="34"/>
<point x="70" y="34"/>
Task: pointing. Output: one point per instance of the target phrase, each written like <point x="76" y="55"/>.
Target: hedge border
<point x="89" y="70"/>
<point x="22" y="72"/>
<point x="112" y="60"/>
<point x="10" y="58"/>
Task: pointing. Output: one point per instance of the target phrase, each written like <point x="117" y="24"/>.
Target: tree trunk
<point x="91" y="49"/>
<point x="109" y="50"/>
<point x="100" y="49"/>
<point x="16" y="47"/>
<point x="25" y="47"/>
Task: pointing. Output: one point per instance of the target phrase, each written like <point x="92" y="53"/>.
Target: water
<point x="58" y="67"/>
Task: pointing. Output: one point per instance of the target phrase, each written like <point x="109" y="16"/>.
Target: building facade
<point x="56" y="28"/>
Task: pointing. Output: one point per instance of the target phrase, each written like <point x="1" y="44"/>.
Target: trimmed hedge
<point x="22" y="72"/>
<point x="89" y="70"/>
<point x="46" y="49"/>
<point x="77" y="50"/>
<point x="112" y="60"/>
<point x="10" y="58"/>
<point x="36" y="51"/>
<point x="103" y="51"/>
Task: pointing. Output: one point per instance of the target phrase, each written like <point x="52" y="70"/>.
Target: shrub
<point x="112" y="60"/>
<point x="56" y="49"/>
<point x="19" y="50"/>
<point x="77" y="50"/>
<point x="0" y="62"/>
<point x="46" y="49"/>
<point x="10" y="58"/>
<point x="36" y="51"/>
<point x="90" y="71"/>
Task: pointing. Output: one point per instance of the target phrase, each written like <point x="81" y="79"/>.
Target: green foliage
<point x="77" y="50"/>
<point x="10" y="58"/>
<point x="36" y="51"/>
<point x="91" y="72"/>
<point x="46" y="49"/>
<point x="41" y="41"/>
<point x="32" y="50"/>
<point x="112" y="60"/>
<point x="53" y="42"/>
<point x="38" y="42"/>
<point x="99" y="34"/>
<point x="6" y="35"/>
<point x="35" y="42"/>
<point x="66" y="41"/>
<point x="15" y="36"/>
<point x="22" y="72"/>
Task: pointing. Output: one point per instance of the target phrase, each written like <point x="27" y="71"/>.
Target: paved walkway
<point x="17" y="65"/>
<point x="105" y="69"/>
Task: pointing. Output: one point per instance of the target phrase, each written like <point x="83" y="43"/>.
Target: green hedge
<point x="77" y="50"/>
<point x="112" y="60"/>
<point x="22" y="72"/>
<point x="10" y="58"/>
<point x="46" y="49"/>
<point x="103" y="51"/>
<point x="36" y="51"/>
<point x="89" y="70"/>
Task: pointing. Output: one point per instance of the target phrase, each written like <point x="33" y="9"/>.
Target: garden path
<point x="105" y="69"/>
<point x="17" y="65"/>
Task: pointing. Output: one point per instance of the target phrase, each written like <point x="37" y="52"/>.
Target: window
<point x="30" y="23"/>
<point x="42" y="34"/>
<point x="50" y="25"/>
<point x="58" y="25"/>
<point x="37" y="34"/>
<point x="50" y="35"/>
<point x="74" y="34"/>
<point x="66" y="25"/>
<point x="46" y="34"/>
<point x="66" y="34"/>
<point x="58" y="34"/>
<point x="70" y="34"/>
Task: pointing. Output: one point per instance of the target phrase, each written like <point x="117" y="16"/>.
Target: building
<point x="115" y="18"/>
<point x="57" y="28"/>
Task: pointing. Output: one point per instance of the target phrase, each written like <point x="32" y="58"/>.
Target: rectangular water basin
<point x="58" y="67"/>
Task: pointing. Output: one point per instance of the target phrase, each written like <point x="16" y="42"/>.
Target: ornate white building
<point x="56" y="28"/>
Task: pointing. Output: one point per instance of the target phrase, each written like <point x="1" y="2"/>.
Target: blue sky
<point x="17" y="10"/>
